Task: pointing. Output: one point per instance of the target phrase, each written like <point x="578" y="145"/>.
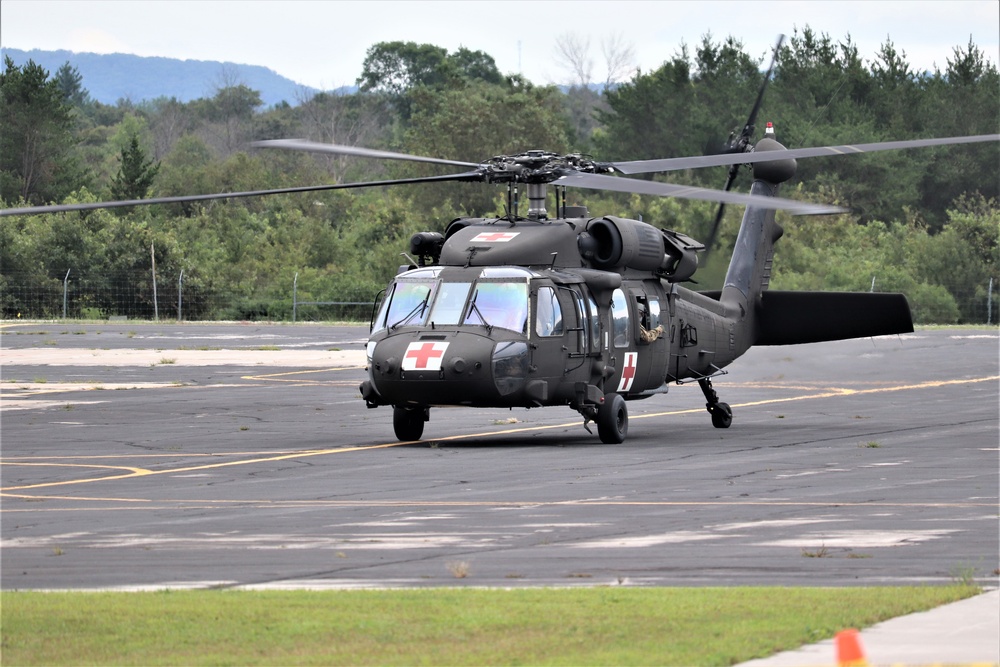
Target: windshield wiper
<point x="417" y="308"/>
<point x="473" y="308"/>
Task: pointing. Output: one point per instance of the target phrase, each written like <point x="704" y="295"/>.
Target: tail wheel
<point x="408" y="423"/>
<point x="612" y="419"/>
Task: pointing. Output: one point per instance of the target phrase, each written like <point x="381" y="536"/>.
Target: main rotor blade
<point x="697" y="162"/>
<point x="61" y="208"/>
<point x="601" y="182"/>
<point x="314" y="147"/>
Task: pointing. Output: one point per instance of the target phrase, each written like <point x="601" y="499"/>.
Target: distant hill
<point x="111" y="77"/>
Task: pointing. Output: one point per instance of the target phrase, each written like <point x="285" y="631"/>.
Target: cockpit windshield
<point x="494" y="297"/>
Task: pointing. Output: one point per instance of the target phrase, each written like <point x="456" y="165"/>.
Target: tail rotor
<point x="740" y="143"/>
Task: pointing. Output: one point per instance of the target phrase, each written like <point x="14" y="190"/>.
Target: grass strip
<point x="456" y="626"/>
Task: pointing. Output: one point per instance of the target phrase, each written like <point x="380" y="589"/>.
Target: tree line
<point x="925" y="222"/>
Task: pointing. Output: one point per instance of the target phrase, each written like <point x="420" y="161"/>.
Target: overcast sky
<point x="323" y="44"/>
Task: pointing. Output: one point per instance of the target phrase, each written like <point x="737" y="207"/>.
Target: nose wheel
<point x="408" y="423"/>
<point x="722" y="414"/>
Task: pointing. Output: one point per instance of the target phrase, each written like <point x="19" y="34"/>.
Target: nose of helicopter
<point x="453" y="368"/>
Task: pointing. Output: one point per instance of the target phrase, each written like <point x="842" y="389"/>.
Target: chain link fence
<point x="138" y="298"/>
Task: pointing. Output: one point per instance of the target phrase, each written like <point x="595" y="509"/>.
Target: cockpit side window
<point x="654" y="313"/>
<point x="548" y="313"/>
<point x="379" y="322"/>
<point x="581" y="322"/>
<point x="619" y="318"/>
<point x="595" y="323"/>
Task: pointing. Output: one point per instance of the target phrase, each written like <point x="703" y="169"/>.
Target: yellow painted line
<point x="835" y="392"/>
<point x="295" y="383"/>
<point x="103" y="510"/>
<point x="526" y="429"/>
<point x="263" y="382"/>
<point x="208" y="466"/>
<point x="8" y="325"/>
<point x="173" y="455"/>
<point x="133" y="471"/>
<point x="76" y="498"/>
<point x="830" y="393"/>
<point x="268" y="376"/>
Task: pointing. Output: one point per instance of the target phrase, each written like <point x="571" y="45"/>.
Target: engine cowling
<point x="612" y="243"/>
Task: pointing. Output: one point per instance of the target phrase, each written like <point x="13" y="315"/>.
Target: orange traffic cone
<point x="849" y="650"/>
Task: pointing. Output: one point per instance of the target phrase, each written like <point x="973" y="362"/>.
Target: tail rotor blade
<point x="733" y="170"/>
<point x="742" y="144"/>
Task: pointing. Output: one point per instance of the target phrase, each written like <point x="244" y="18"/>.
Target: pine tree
<point x="135" y="174"/>
<point x="36" y="143"/>
<point x="70" y="83"/>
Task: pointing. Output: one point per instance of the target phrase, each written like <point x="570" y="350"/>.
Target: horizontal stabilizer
<point x="788" y="318"/>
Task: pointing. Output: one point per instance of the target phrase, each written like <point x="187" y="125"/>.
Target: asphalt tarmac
<point x="142" y="456"/>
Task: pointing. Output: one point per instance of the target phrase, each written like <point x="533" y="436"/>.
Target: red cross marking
<point x="628" y="372"/>
<point x="424" y="356"/>
<point x="495" y="237"/>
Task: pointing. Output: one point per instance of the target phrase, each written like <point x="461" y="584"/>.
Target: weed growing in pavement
<point x="458" y="568"/>
<point x="822" y="552"/>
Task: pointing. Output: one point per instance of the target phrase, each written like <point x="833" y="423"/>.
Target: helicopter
<point x="586" y="311"/>
<point x="589" y="311"/>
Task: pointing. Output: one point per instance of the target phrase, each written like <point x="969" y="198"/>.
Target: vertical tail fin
<point x="750" y="267"/>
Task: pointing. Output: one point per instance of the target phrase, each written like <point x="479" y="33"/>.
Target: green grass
<point x="579" y="626"/>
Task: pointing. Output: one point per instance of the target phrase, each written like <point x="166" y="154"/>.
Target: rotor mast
<point x="537" y="193"/>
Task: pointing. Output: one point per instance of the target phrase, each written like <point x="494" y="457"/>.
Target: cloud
<point x="94" y="40"/>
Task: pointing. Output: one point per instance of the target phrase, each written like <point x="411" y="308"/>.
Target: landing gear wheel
<point x="408" y="423"/>
<point x="722" y="415"/>
<point x="612" y="419"/>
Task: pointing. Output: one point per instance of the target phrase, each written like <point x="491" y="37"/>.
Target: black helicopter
<point x="589" y="311"/>
<point x="586" y="311"/>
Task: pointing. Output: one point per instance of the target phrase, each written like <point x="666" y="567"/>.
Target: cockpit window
<point x="548" y="313"/>
<point x="406" y="305"/>
<point x="654" y="313"/>
<point x="449" y="303"/>
<point x="507" y="272"/>
<point x="425" y="273"/>
<point x="619" y="318"/>
<point x="499" y="304"/>
<point x="595" y="322"/>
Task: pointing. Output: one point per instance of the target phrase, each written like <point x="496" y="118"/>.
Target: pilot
<point x="649" y="335"/>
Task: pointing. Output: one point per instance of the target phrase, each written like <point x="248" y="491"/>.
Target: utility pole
<point x="156" y="307"/>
